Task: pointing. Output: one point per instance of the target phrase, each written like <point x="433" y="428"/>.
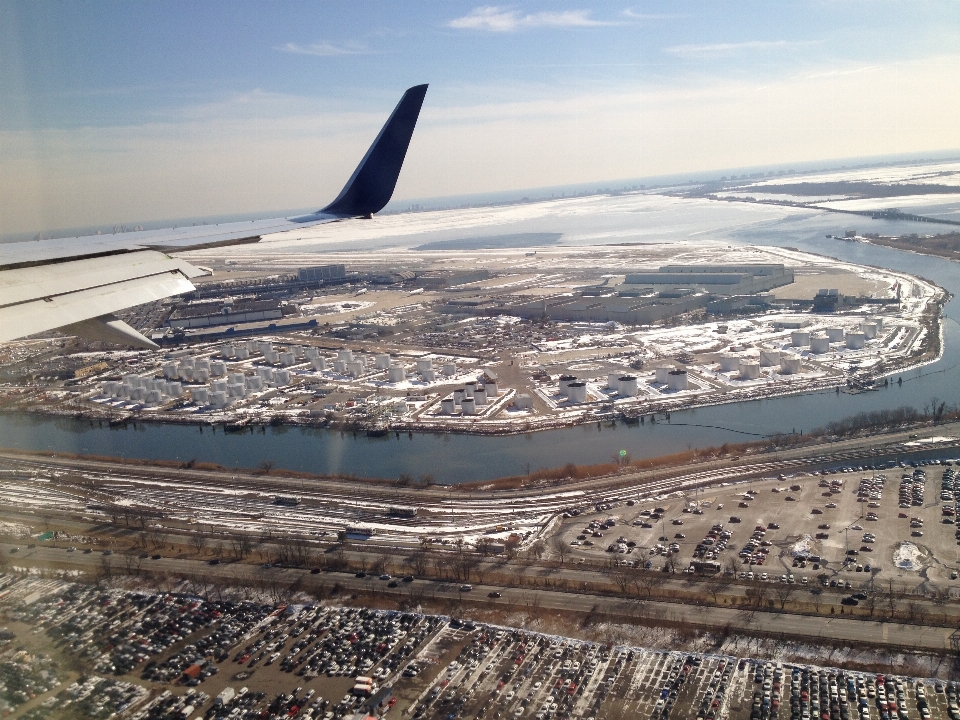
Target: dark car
<point x="494" y="594"/>
<point x="156" y="557"/>
<point x="408" y="578"/>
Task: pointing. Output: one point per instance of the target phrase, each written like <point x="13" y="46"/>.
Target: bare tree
<point x="757" y="594"/>
<point x="559" y="546"/>
<point x="418" y="561"/>
<point x="537" y="550"/>
<point x="646" y="581"/>
<point x="132" y="563"/>
<point x="197" y="541"/>
<point x="156" y="537"/>
<point x="619" y="575"/>
<point x="783" y="593"/>
<point x="241" y="544"/>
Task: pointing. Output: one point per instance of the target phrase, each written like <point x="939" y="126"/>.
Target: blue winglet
<point x="373" y="182"/>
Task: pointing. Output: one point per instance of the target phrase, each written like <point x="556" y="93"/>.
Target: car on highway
<point x="494" y="594"/>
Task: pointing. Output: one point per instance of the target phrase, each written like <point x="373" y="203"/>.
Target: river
<point x="450" y="458"/>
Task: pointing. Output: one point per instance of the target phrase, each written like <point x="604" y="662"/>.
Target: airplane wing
<point x="77" y="284"/>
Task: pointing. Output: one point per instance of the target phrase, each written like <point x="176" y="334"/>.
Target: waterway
<point x="458" y="458"/>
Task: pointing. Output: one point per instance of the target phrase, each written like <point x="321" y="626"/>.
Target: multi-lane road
<point x="813" y="629"/>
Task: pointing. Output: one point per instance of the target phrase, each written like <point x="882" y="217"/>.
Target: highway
<point x="817" y="630"/>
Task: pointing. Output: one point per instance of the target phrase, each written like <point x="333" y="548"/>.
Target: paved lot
<point x="816" y="520"/>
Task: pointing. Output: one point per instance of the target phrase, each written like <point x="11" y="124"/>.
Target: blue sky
<point x="125" y="112"/>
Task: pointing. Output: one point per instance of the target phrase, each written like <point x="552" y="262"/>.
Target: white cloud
<point x="324" y="49"/>
<point x="496" y="19"/>
<point x="712" y="49"/>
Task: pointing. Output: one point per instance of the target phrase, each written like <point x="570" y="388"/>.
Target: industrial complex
<point x="524" y="341"/>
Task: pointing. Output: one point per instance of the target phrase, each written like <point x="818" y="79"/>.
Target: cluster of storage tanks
<point x="674" y="378"/>
<point x="748" y="368"/>
<point x="144" y="390"/>
<point x="625" y="385"/>
<point x="855" y="339"/>
<point x="346" y="362"/>
<point x="470" y="398"/>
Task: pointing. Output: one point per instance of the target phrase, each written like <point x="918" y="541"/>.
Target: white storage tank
<point x="218" y="386"/>
<point x="345" y="355"/>
<point x="254" y="383"/>
<point x="252" y="346"/>
<point x="468" y="406"/>
<point x="627" y="386"/>
<point x="236" y="378"/>
<point x="729" y="363"/>
<point x="424" y="364"/>
<point x="382" y="362"/>
<point x="469" y="388"/>
<point x="878" y="321"/>
<point x="174" y="389"/>
<point x="769" y="358"/>
<point x="749" y="369"/>
<point x="287" y="359"/>
<point x="448" y="406"/>
<point x="138" y="394"/>
<point x="396" y="374"/>
<point x="563" y="382"/>
<point x="133" y="381"/>
<point x="663" y="373"/>
<point x="450" y="369"/>
<point x="819" y="344"/>
<point x="201" y="374"/>
<point x="218" y="368"/>
<point x="577" y="392"/>
<point x="678" y="380"/>
<point x="312" y="353"/>
<point x="492" y="389"/>
<point x="218" y="398"/>
<point x="187" y="373"/>
<point x="339" y="366"/>
<point x="855" y="340"/>
<point x="265" y="347"/>
<point x="266" y="374"/>
<point x="356" y="368"/>
<point x="458" y="396"/>
<point x="229" y="351"/>
<point x="170" y="371"/>
<point x="281" y="377"/>
<point x="154" y="397"/>
<point x="242" y="353"/>
<point x="480" y="396"/>
<point x="613" y="381"/>
<point x="789" y="364"/>
<point x="319" y="364"/>
<point x="800" y="338"/>
<point x="428" y="375"/>
<point x="869" y="329"/>
<point x="200" y="395"/>
<point x="272" y="357"/>
<point x="523" y="401"/>
<point x="835" y="334"/>
<point x="236" y="389"/>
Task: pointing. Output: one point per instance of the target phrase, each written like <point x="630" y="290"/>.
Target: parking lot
<point x="174" y="656"/>
<point x="866" y="527"/>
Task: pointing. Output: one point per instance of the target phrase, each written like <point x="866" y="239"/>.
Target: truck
<point x="225" y="696"/>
